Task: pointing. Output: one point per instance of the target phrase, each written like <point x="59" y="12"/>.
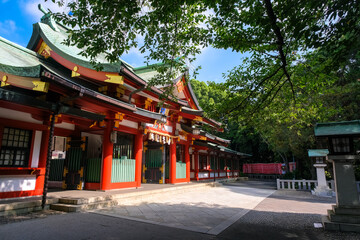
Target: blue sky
<point x="17" y="17"/>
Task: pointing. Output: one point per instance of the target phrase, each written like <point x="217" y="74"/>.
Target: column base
<point x="343" y="219"/>
<point x="323" y="191"/>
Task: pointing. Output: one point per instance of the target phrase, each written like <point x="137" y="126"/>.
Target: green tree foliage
<point x="283" y="130"/>
<point x="303" y="65"/>
<point x="276" y="33"/>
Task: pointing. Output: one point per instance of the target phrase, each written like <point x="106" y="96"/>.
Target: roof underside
<point x="138" y="111"/>
<point x="225" y="149"/>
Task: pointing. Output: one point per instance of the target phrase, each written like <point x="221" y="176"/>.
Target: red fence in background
<point x="267" y="168"/>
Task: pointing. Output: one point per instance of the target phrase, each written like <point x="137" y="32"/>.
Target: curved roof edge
<point x="17" y="60"/>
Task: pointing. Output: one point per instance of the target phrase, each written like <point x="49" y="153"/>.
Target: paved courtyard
<point x="240" y="210"/>
<point x="209" y="211"/>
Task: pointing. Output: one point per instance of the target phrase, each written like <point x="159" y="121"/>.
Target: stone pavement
<point x="286" y="214"/>
<point x="241" y="212"/>
<point x="208" y="211"/>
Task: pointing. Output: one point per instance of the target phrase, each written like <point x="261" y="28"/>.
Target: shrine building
<point x="98" y="130"/>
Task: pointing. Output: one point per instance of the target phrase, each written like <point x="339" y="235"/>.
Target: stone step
<point x="340" y="218"/>
<point x="140" y="194"/>
<point x="346" y="210"/>
<point x="82" y="204"/>
<point x="342" y="227"/>
<point x="22" y="207"/>
<point x="78" y="208"/>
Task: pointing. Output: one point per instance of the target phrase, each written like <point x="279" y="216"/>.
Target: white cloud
<point x="31" y="8"/>
<point x="8" y="27"/>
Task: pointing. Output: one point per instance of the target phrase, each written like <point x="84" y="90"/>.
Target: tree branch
<point x="268" y="94"/>
<point x="253" y="91"/>
<point x="279" y="42"/>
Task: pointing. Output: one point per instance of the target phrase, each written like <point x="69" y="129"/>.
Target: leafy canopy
<point x="276" y="33"/>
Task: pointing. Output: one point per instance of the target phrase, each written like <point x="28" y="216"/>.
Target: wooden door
<point x="73" y="177"/>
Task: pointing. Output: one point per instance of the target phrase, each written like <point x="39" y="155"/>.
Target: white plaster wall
<point x="202" y="151"/>
<point x="192" y="174"/>
<point x="182" y="137"/>
<point x="168" y="128"/>
<point x="16" y="115"/>
<point x="128" y="123"/>
<point x="17" y="183"/>
<point x="203" y="174"/>
<point x="94" y="145"/>
<point x="222" y="174"/>
<point x="65" y="125"/>
<point x="36" y="149"/>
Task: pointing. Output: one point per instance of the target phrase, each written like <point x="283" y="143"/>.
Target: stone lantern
<point x="342" y="140"/>
<point x="322" y="189"/>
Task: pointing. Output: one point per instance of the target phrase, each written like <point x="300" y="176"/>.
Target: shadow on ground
<point x="282" y="215"/>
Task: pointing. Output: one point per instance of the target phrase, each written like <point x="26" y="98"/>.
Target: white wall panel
<point x="36" y="149"/>
<point x="17" y="183"/>
<point x="65" y="125"/>
<point x="128" y="123"/>
<point x="16" y="115"/>
<point x="203" y="174"/>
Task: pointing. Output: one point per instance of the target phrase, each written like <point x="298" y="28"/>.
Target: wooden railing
<point x="206" y="174"/>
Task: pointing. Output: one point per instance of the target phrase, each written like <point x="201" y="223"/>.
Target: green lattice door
<point x="153" y="164"/>
<point x="73" y="177"/>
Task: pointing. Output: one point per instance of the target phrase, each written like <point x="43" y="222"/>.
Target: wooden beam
<point x="23" y="82"/>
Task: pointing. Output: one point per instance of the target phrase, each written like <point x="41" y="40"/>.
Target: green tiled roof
<point x="318" y="152"/>
<point x="17" y="60"/>
<point x="149" y="71"/>
<point x="55" y="38"/>
<point x="338" y="128"/>
<point x="146" y="75"/>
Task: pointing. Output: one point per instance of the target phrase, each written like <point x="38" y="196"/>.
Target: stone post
<point x="345" y="185"/>
<point x="345" y="215"/>
<point x="322" y="189"/>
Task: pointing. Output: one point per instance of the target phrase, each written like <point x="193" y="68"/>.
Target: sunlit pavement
<point x="243" y="210"/>
<point x="209" y="211"/>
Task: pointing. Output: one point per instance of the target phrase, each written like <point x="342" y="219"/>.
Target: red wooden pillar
<point x="232" y="167"/>
<point x="196" y="156"/>
<point x="187" y="161"/>
<point x="138" y="158"/>
<point x="39" y="187"/>
<point x="107" y="155"/>
<point x="172" y="167"/>
<point x="218" y="163"/>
